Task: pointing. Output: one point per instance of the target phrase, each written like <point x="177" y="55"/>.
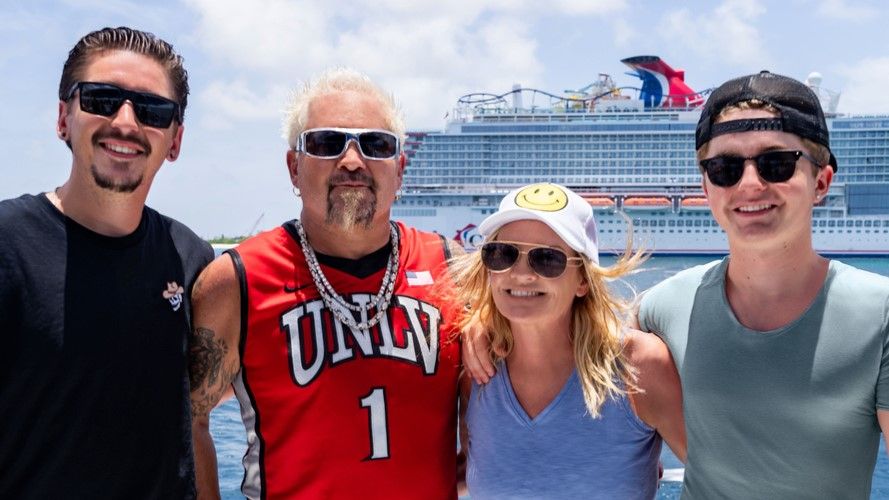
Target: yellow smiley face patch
<point x="543" y="197"/>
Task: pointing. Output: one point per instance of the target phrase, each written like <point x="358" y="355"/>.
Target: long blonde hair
<point x="596" y="322"/>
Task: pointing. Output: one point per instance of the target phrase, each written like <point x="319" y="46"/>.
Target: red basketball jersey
<point x="336" y="412"/>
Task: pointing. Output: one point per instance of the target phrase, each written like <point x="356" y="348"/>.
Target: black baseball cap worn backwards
<point x="800" y="109"/>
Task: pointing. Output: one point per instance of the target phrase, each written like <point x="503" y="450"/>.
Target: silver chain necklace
<point x="336" y="303"/>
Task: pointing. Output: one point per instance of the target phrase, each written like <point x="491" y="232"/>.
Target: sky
<point x="244" y="57"/>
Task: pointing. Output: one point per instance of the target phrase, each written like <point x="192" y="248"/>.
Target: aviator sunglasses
<point x="105" y="99"/>
<point x="547" y="262"/>
<point x="772" y="166"/>
<point x="329" y="143"/>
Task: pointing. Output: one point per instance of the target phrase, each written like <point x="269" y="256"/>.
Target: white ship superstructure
<point x="632" y="158"/>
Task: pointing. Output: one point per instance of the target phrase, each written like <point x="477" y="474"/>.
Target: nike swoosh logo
<point x="290" y="289"/>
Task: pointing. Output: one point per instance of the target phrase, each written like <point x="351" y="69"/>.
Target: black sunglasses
<point x="328" y="143"/>
<point x="772" y="166"/>
<point x="548" y="262"/>
<point x="105" y="99"/>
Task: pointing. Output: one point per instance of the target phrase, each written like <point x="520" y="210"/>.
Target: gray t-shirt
<point x="788" y="413"/>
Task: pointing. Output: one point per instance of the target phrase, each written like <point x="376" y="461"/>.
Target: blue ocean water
<point x="228" y="431"/>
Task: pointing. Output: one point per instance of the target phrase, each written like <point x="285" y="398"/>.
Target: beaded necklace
<point x="335" y="302"/>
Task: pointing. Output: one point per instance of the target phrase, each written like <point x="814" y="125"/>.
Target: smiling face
<point x="543" y="197"/>
<point x="118" y="153"/>
<point x="756" y="214"/>
<point x="522" y="296"/>
<point x="349" y="190"/>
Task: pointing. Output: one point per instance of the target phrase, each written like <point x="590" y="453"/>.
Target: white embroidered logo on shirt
<point x="173" y="293"/>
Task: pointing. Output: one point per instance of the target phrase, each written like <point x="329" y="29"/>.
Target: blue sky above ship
<point x="244" y="57"/>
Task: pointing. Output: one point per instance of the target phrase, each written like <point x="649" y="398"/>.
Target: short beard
<point x="352" y="208"/>
<point x="128" y="185"/>
<point x="103" y="182"/>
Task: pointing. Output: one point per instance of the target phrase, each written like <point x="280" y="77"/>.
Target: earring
<point x="398" y="194"/>
<point x="296" y="192"/>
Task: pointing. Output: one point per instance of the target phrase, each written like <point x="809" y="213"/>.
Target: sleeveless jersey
<point x="562" y="452"/>
<point x="336" y="412"/>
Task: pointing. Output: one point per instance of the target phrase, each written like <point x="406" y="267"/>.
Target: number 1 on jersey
<point x="375" y="402"/>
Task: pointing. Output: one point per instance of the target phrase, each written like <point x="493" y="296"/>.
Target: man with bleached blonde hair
<point x="343" y="361"/>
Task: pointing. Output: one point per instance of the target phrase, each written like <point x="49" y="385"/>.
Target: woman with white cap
<point x="579" y="403"/>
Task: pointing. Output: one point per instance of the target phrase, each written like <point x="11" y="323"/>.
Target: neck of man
<point x="351" y="243"/>
<point x="100" y="210"/>
<point x="768" y="289"/>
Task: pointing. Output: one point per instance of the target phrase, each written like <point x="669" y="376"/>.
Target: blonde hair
<point x="596" y="322"/>
<point x="818" y="151"/>
<point x="332" y="81"/>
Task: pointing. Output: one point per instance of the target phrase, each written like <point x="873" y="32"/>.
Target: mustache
<point x="114" y="134"/>
<point x="352" y="177"/>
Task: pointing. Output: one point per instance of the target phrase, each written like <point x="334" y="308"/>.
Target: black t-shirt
<point x="94" y="399"/>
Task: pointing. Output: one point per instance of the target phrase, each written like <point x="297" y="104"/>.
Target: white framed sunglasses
<point x="328" y="143"/>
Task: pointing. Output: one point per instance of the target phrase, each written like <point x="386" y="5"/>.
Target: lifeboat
<point x="646" y="203"/>
<point x="695" y="202"/>
<point x="599" y="201"/>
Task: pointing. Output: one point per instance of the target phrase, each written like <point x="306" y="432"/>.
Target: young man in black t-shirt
<point x="94" y="314"/>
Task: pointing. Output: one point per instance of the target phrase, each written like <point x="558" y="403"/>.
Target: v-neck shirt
<point x="562" y="452"/>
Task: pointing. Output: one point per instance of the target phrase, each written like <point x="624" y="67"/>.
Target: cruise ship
<point x="630" y="152"/>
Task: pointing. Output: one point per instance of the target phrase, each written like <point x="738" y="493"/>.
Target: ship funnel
<point x="829" y="98"/>
<point x="662" y="86"/>
<point x="517" y="96"/>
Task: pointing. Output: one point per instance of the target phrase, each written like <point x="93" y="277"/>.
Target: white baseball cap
<point x="563" y="210"/>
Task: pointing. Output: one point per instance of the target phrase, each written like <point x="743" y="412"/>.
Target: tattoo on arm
<point x="206" y="371"/>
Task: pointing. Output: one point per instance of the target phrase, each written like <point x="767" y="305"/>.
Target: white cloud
<point x="233" y="102"/>
<point x="587" y="7"/>
<point x="865" y="90"/>
<point x="728" y="33"/>
<point x="624" y="33"/>
<point x="430" y="52"/>
<point x="844" y="10"/>
<point x="265" y="34"/>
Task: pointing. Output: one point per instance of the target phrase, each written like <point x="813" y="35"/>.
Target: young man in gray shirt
<point x="782" y="353"/>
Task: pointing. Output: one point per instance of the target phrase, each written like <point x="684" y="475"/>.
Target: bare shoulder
<point x="644" y="349"/>
<point x="217" y="281"/>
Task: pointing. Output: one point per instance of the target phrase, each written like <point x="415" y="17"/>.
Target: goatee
<point x="106" y="182"/>
<point x="352" y="208"/>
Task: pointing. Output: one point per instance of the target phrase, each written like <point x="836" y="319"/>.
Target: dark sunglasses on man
<point x="105" y="99"/>
<point x="772" y="166"/>
<point x="547" y="262"/>
<point x="329" y="143"/>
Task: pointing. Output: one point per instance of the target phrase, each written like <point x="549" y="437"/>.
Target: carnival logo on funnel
<point x="468" y="237"/>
